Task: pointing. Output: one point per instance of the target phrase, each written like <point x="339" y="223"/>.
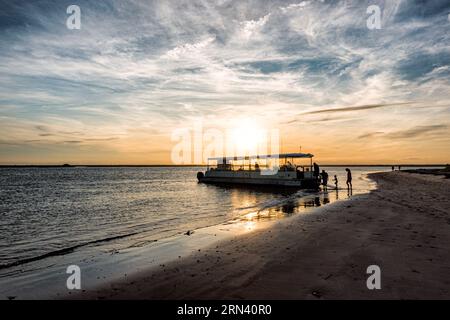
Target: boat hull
<point x="294" y="183"/>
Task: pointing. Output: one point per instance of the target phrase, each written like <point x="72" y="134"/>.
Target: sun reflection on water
<point x="250" y="226"/>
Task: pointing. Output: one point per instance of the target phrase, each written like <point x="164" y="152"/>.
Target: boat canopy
<point x="267" y="156"/>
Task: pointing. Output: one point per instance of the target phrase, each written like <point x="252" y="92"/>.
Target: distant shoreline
<point x="199" y="165"/>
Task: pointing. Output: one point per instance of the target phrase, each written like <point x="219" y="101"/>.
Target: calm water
<point x="46" y="211"/>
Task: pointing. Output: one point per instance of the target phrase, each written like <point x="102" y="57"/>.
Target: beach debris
<point x="328" y="276"/>
<point x="189" y="232"/>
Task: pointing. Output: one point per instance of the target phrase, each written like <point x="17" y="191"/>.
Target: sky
<point x="119" y="89"/>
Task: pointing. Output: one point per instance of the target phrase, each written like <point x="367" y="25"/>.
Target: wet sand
<point x="403" y="227"/>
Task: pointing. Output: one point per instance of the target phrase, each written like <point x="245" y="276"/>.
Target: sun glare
<point x="247" y="137"/>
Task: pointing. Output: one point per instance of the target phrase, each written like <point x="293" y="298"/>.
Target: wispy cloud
<point x="411" y="133"/>
<point x="371" y="135"/>
<point x="358" y="108"/>
<point x="419" y="131"/>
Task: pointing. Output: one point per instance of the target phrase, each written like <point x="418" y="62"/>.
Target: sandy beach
<point x="403" y="227"/>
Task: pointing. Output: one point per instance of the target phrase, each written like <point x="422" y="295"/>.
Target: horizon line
<point x="204" y="165"/>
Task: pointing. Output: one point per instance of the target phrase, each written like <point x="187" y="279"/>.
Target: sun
<point x="246" y="136"/>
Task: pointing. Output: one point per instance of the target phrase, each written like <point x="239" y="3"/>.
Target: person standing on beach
<point x="324" y="180"/>
<point x="349" y="179"/>
<point x="335" y="182"/>
<point x="316" y="171"/>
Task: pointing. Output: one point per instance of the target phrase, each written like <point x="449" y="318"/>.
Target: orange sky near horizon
<point x="329" y="146"/>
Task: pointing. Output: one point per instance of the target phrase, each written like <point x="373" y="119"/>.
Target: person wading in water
<point x="349" y="179"/>
<point x="316" y="171"/>
<point x="324" y="180"/>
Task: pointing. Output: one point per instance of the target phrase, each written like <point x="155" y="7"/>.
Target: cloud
<point x="358" y="108"/>
<point x="370" y="135"/>
<point x="252" y="26"/>
<point x="418" y="132"/>
<point x="189" y="49"/>
<point x="411" y="133"/>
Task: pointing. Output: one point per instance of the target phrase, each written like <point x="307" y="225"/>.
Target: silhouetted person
<point x="336" y="182"/>
<point x="316" y="171"/>
<point x="349" y="179"/>
<point x="399" y="168"/>
<point x="324" y="180"/>
<point x="393" y="168"/>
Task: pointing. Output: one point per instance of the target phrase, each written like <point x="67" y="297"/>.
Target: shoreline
<point x="110" y="261"/>
<point x="403" y="226"/>
<point x="101" y="267"/>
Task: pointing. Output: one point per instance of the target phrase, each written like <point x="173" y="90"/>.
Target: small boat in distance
<point x="257" y="170"/>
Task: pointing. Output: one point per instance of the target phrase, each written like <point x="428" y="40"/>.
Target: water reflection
<point x="260" y="203"/>
<point x="250" y="207"/>
<point x="326" y="198"/>
<point x="263" y="203"/>
<point x="317" y="201"/>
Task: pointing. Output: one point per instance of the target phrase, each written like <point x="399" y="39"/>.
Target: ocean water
<point x="54" y="210"/>
<point x="50" y="217"/>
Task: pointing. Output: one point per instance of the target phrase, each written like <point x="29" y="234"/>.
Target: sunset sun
<point x="247" y="136"/>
